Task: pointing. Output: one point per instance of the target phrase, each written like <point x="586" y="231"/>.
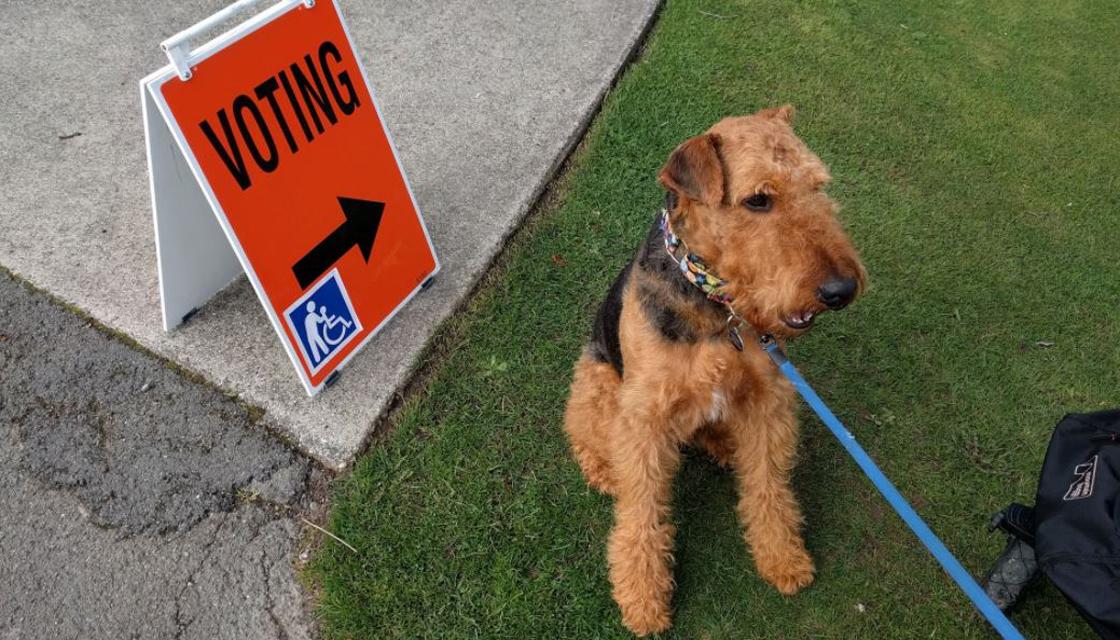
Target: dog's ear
<point x="783" y="113"/>
<point x="695" y="170"/>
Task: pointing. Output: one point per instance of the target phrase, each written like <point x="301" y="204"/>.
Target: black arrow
<point x="363" y="217"/>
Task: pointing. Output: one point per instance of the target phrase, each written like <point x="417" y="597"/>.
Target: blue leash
<point x="885" y="487"/>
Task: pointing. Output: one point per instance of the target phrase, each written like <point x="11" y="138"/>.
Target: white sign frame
<point x="198" y="253"/>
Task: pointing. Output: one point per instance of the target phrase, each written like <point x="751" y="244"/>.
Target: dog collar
<point x="699" y="274"/>
<point x="692" y="267"/>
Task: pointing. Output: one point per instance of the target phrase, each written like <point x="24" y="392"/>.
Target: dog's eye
<point x="758" y="202"/>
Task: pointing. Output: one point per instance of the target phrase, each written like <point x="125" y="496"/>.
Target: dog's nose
<point x="836" y="293"/>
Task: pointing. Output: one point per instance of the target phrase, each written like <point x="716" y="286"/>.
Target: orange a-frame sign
<point x="279" y="128"/>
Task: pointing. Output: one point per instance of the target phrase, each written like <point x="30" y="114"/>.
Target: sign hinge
<point x="180" y="58"/>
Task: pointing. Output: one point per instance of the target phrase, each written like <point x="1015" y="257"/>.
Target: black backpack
<point x="1073" y="532"/>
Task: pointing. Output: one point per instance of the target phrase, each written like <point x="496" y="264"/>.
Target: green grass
<point x="974" y="148"/>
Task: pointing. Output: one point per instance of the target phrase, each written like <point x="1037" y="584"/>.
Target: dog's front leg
<point x="645" y="457"/>
<point x="765" y="432"/>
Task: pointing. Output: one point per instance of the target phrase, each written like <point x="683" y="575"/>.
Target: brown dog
<point x="748" y="245"/>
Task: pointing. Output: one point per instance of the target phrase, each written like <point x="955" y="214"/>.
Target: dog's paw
<point x="790" y="573"/>
<point x="644" y="604"/>
<point x="645" y="618"/>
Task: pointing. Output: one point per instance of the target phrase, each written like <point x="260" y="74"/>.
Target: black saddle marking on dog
<point x="669" y="323"/>
<point x="605" y="345"/>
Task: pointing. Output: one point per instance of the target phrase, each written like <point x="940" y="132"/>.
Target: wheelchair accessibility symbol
<point x="324" y="321"/>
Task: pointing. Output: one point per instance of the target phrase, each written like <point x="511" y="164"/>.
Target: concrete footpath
<point x="136" y="503"/>
<point x="483" y="97"/>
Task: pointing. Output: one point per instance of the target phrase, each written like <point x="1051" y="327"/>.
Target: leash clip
<point x="733" y="330"/>
<point x="770" y="345"/>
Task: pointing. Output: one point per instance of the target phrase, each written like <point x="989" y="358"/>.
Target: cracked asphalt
<point x="136" y="502"/>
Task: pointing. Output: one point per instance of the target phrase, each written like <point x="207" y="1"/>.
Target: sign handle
<point x="178" y="46"/>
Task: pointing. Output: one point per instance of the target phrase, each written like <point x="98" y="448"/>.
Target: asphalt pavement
<point x="137" y="502"/>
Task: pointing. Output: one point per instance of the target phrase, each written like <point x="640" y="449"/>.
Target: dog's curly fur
<point x="660" y="371"/>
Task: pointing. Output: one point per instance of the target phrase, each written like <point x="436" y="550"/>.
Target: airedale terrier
<point x="748" y="245"/>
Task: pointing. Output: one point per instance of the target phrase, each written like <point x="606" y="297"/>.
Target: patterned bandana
<point x="692" y="267"/>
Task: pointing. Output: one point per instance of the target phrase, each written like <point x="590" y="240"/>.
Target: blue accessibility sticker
<point x="323" y="321"/>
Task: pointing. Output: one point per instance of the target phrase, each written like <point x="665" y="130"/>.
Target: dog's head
<point x="749" y="200"/>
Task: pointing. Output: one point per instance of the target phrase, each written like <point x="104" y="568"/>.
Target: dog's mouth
<point x="799" y="320"/>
